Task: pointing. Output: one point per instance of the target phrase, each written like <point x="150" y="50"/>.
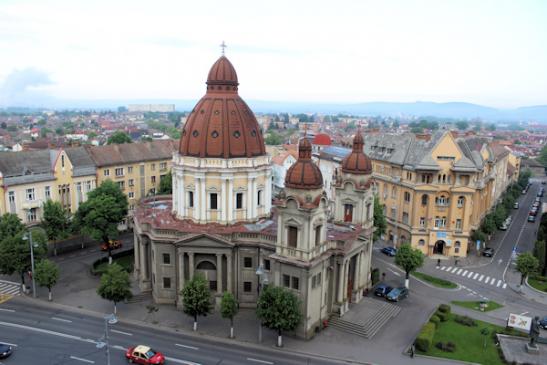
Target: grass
<point x="125" y="261"/>
<point x="469" y="342"/>
<point x="475" y="305"/>
<point x="538" y="282"/>
<point x="438" y="282"/>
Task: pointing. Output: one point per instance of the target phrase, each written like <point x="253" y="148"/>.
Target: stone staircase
<point x="141" y="297"/>
<point x="369" y="326"/>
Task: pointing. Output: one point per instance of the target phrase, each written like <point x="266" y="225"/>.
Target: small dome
<point x="357" y="162"/>
<point x="304" y="174"/>
<point x="222" y="73"/>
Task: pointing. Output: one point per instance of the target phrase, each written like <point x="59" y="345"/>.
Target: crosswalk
<point x="468" y="274"/>
<point x="8" y="289"/>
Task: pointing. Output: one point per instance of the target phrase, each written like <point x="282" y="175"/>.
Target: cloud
<point x="19" y="87"/>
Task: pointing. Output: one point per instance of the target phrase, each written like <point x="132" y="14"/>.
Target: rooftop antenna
<point x="223" y="47"/>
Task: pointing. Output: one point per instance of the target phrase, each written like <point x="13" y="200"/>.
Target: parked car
<point x="5" y="350"/>
<point x="144" y="355"/>
<point x="114" y="244"/>
<point x="397" y="294"/>
<point x="538" y="199"/>
<point x="531" y="218"/>
<point x="536" y="204"/>
<point x="543" y="323"/>
<point x="516" y="205"/>
<point x="503" y="227"/>
<point x="534" y="211"/>
<point x="382" y="290"/>
<point x="390" y="251"/>
<point x="488" y="252"/>
<point x="543" y="182"/>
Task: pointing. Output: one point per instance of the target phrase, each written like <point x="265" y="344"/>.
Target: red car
<point x="144" y="355"/>
<point x="114" y="244"/>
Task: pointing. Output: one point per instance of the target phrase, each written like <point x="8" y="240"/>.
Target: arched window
<point x="457" y="246"/>
<point x="421" y="243"/>
<point x="442" y="200"/>
<point x="424" y="199"/>
<point x="292" y="236"/>
<point x="461" y="201"/>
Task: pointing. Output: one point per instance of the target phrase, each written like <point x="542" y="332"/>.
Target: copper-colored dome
<point x="357" y="162"/>
<point x="221" y="124"/>
<point x="304" y="174"/>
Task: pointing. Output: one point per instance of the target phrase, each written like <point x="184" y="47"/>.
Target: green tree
<point x="462" y="125"/>
<point x="416" y="130"/>
<point x="542" y="159"/>
<point x="279" y="309"/>
<point x="91" y="135"/>
<point x="499" y="215"/>
<point x="524" y="178"/>
<point x="409" y="259"/>
<point x="3" y="125"/>
<point x="100" y="215"/>
<point x="526" y="264"/>
<point x="380" y="222"/>
<point x="10" y="225"/>
<point x="60" y="131"/>
<point x="228" y="309"/>
<point x="46" y="274"/>
<point x="488" y="224"/>
<point x="44" y="132"/>
<point x="119" y="137"/>
<point x="196" y="298"/>
<point x="166" y="184"/>
<point x="55" y="222"/>
<point x="115" y="285"/>
<point x="541" y="254"/>
<point x="273" y="139"/>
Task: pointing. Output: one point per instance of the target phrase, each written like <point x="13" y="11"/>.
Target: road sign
<point x="520" y="322"/>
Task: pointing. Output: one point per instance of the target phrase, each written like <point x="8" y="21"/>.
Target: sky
<point x="487" y="52"/>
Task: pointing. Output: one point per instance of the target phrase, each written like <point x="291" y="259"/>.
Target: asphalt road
<point x="48" y="336"/>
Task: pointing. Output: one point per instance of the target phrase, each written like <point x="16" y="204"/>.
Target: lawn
<point x="125" y="261"/>
<point x="469" y="342"/>
<point x="475" y="305"/>
<point x="438" y="282"/>
<point x="538" y="282"/>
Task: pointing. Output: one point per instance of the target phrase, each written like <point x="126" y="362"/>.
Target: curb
<point x="542" y="293"/>
<point x="448" y="360"/>
<point x="192" y="334"/>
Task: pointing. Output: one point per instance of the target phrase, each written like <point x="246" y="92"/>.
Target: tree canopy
<point x="462" y="125"/>
<point x="115" y="285"/>
<point x="409" y="258"/>
<point x="46" y="274"/>
<point x="228" y="309"/>
<point x="166" y="184"/>
<point x="380" y="222"/>
<point x="55" y="220"/>
<point x="526" y="264"/>
<point x="119" y="137"/>
<point x="196" y="298"/>
<point x="279" y="309"/>
<point x="273" y="139"/>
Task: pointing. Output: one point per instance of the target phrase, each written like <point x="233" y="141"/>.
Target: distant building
<point x="160" y="108"/>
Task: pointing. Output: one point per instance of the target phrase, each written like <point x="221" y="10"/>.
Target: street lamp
<point x="262" y="279"/>
<point x="103" y="341"/>
<point x="28" y="236"/>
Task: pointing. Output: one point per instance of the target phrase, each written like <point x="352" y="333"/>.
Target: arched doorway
<point x="209" y="272"/>
<point x="439" y="247"/>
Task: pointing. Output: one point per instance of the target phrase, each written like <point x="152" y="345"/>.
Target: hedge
<point x="435" y="320"/>
<point x="116" y="255"/>
<point x="445" y="308"/>
<point x="425" y="337"/>
<point x="442" y="316"/>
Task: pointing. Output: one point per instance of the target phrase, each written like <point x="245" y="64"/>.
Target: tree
<point x="100" y="215"/>
<point x="380" y="222"/>
<point x="45" y="131"/>
<point x="10" y="225"/>
<point x="278" y="309"/>
<point x="273" y="139"/>
<point x="46" y="274"/>
<point x="60" y="131"/>
<point x="541" y="255"/>
<point x="499" y="215"/>
<point x="196" y="298"/>
<point x="542" y="159"/>
<point x="119" y="137"/>
<point x="115" y="285"/>
<point x="491" y="127"/>
<point x="526" y="264"/>
<point x="462" y="125"/>
<point x="55" y="222"/>
<point x="166" y="184"/>
<point x="228" y="309"/>
<point x="409" y="259"/>
<point x="3" y="125"/>
<point x="488" y="224"/>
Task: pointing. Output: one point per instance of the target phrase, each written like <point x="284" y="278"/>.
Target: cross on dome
<point x="223" y="47"/>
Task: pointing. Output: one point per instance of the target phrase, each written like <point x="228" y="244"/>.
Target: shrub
<point x="446" y="346"/>
<point x="465" y="320"/>
<point x="425" y="337"/>
<point x="442" y="316"/>
<point x="435" y="320"/>
<point x="445" y="308"/>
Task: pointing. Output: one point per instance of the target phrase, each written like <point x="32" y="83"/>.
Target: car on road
<point x="382" y="290"/>
<point x="390" y="251"/>
<point x="503" y="227"/>
<point x="516" y="205"/>
<point x="543" y="323"/>
<point x="397" y="294"/>
<point x="531" y="218"/>
<point x="5" y="350"/>
<point x="533" y="211"/>
<point x="144" y="355"/>
<point x="114" y="244"/>
<point x="488" y="252"/>
<point x="537" y="200"/>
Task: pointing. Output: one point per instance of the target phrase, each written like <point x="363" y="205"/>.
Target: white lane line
<point x="493" y="281"/>
<point x="448" y="268"/>
<point x="475" y="277"/>
<point x="41" y="330"/>
<point x="118" y="347"/>
<point x="9" y="344"/>
<point x="470" y="274"/>
<point x="122" y="332"/>
<point x="504" y="285"/>
<point x="7" y="310"/>
<point x="464" y="273"/>
<point x="82" y="360"/>
<point x="260" y="361"/>
<point x="454" y="270"/>
<point x="480" y="279"/>
<point x="499" y="284"/>
<point x="394" y="272"/>
<point x="187" y="347"/>
<point x="459" y="271"/>
<point x="61" y="319"/>
<point x="179" y="361"/>
<point x="443" y="268"/>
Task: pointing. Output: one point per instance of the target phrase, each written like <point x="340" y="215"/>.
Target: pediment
<point x="204" y="240"/>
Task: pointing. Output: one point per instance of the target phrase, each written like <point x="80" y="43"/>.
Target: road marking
<point x="486" y="280"/>
<point x="464" y="273"/>
<point x="523" y="313"/>
<point x="83" y="360"/>
<point x="181" y="361"/>
<point x="118" y="347"/>
<point x="394" y="272"/>
<point x="187" y="347"/>
<point x="499" y="284"/>
<point x="448" y="268"/>
<point x="459" y="271"/>
<point x="470" y="274"/>
<point x="480" y="279"/>
<point x="9" y="344"/>
<point x="504" y="285"/>
<point x="7" y="310"/>
<point x="122" y="333"/>
<point x="454" y="270"/>
<point x="443" y="268"/>
<point x="476" y="276"/>
<point x="41" y="330"/>
<point x="61" y="319"/>
<point x="260" y="361"/>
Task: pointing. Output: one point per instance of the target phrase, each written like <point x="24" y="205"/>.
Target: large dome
<point x="221" y="124"/>
<point x="357" y="162"/>
<point x="304" y="174"/>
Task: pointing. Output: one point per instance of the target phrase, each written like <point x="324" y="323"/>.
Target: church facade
<point x="222" y="223"/>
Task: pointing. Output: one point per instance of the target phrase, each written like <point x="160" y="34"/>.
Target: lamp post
<point x="28" y="236"/>
<point x="262" y="279"/>
<point x="103" y="342"/>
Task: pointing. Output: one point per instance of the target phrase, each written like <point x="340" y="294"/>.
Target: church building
<point x="222" y="223"/>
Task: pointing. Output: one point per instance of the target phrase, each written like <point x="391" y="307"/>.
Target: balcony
<point x="29" y="204"/>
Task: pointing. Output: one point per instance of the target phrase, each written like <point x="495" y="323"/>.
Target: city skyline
<point x="350" y="52"/>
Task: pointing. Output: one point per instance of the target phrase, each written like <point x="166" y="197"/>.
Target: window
<point x="118" y="171"/>
<point x="62" y="160"/>
<point x="167" y="283"/>
<point x="88" y="185"/>
<point x="131" y="182"/>
<point x="424" y="199"/>
<point x="286" y="281"/>
<point x="153" y="167"/>
<point x="30" y="194"/>
<point x="405" y="217"/>
<point x="393" y="213"/>
<point x="163" y="165"/>
<point x="409" y="175"/>
<point x="248" y="262"/>
<point x="131" y="195"/>
<point x="318" y="235"/>
<point x="213" y="285"/>
<point x="106" y="172"/>
<point x="259" y="198"/>
<point x="213" y="203"/>
<point x="121" y="184"/>
<point x="461" y="201"/>
<point x="348" y="213"/>
<point x="421" y="243"/>
<point x="407" y="197"/>
<point x="442" y="200"/>
<point x="239" y="201"/>
<point x="292" y="236"/>
<point x="31" y="215"/>
<point x="426" y="178"/>
<point x="47" y="192"/>
<point x="153" y="179"/>
<point x="422" y="222"/>
<point x="457" y="247"/>
<point x="267" y="265"/>
<point x="11" y="199"/>
<point x="129" y="169"/>
<point x="79" y="192"/>
<point x="247" y="286"/>
<point x="440" y="222"/>
<point x="131" y="206"/>
<point x="190" y="199"/>
<point x="394" y="192"/>
<point x="166" y="259"/>
<point x="295" y="283"/>
<point x="458" y="224"/>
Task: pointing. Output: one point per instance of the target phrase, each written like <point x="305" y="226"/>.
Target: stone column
<point x="249" y="197"/>
<point x="197" y="201"/>
<point x="180" y="273"/>
<point x="219" y="273"/>
<point x="181" y="196"/>
<point x="143" y="252"/>
<point x="254" y="198"/>
<point x="191" y="264"/>
<point x="268" y="193"/>
<point x="229" y="271"/>
<point x="341" y="271"/>
<point x="204" y="207"/>
<point x="346" y="275"/>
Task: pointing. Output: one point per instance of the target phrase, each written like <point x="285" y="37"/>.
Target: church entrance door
<point x="439" y="247"/>
<point x="209" y="271"/>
